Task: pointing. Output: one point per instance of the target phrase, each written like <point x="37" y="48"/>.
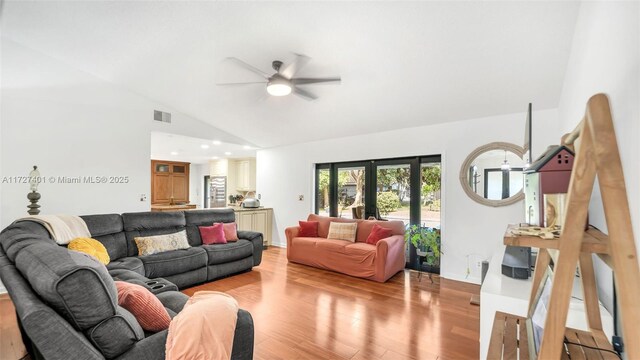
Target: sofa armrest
<point x="291" y="233"/>
<point x="256" y="239"/>
<point x="391" y="251"/>
<point x="243" y="339"/>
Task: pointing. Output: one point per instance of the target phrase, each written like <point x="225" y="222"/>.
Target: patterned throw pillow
<point x="148" y="245"/>
<point x="91" y="247"/>
<point x="146" y="307"/>
<point x="342" y="231"/>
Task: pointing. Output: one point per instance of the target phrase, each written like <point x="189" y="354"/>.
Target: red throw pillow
<point x="378" y="233"/>
<point x="145" y="306"/>
<point x="308" y="229"/>
<point x="212" y="234"/>
<point x="230" y="231"/>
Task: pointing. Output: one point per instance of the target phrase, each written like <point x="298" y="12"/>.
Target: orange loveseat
<point x="376" y="262"/>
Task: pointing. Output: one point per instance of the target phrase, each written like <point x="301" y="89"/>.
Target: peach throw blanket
<point x="204" y="329"/>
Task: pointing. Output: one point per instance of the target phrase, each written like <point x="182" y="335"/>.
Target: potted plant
<point x="426" y="240"/>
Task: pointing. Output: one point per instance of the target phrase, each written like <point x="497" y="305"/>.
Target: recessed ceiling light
<point x="247" y="147"/>
<point x="214" y="158"/>
<point x="204" y="146"/>
<point x="174" y="153"/>
<point x="216" y="142"/>
<point x="227" y="153"/>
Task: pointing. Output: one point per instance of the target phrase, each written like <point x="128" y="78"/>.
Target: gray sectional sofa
<point x="66" y="303"/>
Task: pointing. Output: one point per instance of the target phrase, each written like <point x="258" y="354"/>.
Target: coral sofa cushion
<point x="147" y="309"/>
<point x="342" y="231"/>
<point x="308" y="229"/>
<point x="149" y="245"/>
<point x="90" y="247"/>
<point x="212" y="234"/>
<point x="378" y="233"/>
<point x="230" y="231"/>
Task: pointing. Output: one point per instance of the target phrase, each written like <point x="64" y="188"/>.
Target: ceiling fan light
<point x="279" y="87"/>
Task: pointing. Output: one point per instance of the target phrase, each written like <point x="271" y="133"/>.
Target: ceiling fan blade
<point x="242" y="83"/>
<point x="295" y="66"/>
<point x="304" y="94"/>
<point x="306" y="81"/>
<point x="249" y="67"/>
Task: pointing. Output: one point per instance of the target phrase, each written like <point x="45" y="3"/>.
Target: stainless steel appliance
<point x="218" y="191"/>
<point x="251" y="203"/>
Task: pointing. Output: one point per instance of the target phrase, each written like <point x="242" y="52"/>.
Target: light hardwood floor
<point x="306" y="313"/>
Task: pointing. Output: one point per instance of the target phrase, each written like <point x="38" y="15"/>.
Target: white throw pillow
<point x="342" y="231"/>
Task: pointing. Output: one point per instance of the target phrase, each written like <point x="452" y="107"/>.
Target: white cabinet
<point x="246" y="175"/>
<point x="258" y="220"/>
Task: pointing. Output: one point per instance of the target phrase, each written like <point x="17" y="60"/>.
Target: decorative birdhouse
<point x="549" y="174"/>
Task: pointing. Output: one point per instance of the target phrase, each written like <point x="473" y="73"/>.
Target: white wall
<point x="467" y="227"/>
<point x="196" y="183"/>
<point x="605" y="58"/>
<point x="71" y="123"/>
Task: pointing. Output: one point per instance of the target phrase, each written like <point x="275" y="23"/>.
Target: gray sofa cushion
<point x="196" y="218"/>
<point x="188" y="279"/>
<point x="173" y="300"/>
<point x="149" y="224"/>
<point x="109" y="230"/>
<point x="224" y="253"/>
<point x="116" y="334"/>
<point x="127" y="263"/>
<point x="21" y="234"/>
<point x="74" y="284"/>
<point x="174" y="262"/>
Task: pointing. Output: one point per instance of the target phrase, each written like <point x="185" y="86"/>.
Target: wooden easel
<point x="597" y="154"/>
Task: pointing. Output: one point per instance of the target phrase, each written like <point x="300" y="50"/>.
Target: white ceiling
<point x="403" y="64"/>
<point x="199" y="151"/>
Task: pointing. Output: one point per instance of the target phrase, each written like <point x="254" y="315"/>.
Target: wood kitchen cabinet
<point x="258" y="220"/>
<point x="169" y="182"/>
<point x="246" y="175"/>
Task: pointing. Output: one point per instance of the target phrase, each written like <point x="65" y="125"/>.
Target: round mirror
<point x="493" y="174"/>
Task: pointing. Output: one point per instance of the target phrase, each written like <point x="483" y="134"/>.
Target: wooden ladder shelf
<point x="597" y="154"/>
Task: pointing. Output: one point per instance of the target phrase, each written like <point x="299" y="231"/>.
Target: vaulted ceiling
<point x="402" y="64"/>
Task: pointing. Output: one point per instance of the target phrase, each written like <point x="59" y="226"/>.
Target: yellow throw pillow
<point x="91" y="247"/>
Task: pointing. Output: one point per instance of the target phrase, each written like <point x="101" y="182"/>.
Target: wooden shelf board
<point x="509" y="341"/>
<point x="594" y="241"/>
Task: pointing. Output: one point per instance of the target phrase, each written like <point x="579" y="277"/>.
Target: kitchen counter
<point x="239" y="208"/>
<point x="172" y="207"/>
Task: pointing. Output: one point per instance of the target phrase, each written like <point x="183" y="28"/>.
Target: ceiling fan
<point x="283" y="82"/>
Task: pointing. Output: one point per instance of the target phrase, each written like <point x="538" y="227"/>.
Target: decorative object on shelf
<point x="549" y="174"/>
<point x="427" y="243"/>
<point x="34" y="195"/>
<point x="554" y="210"/>
<point x="544" y="233"/>
<point x="491" y="175"/>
